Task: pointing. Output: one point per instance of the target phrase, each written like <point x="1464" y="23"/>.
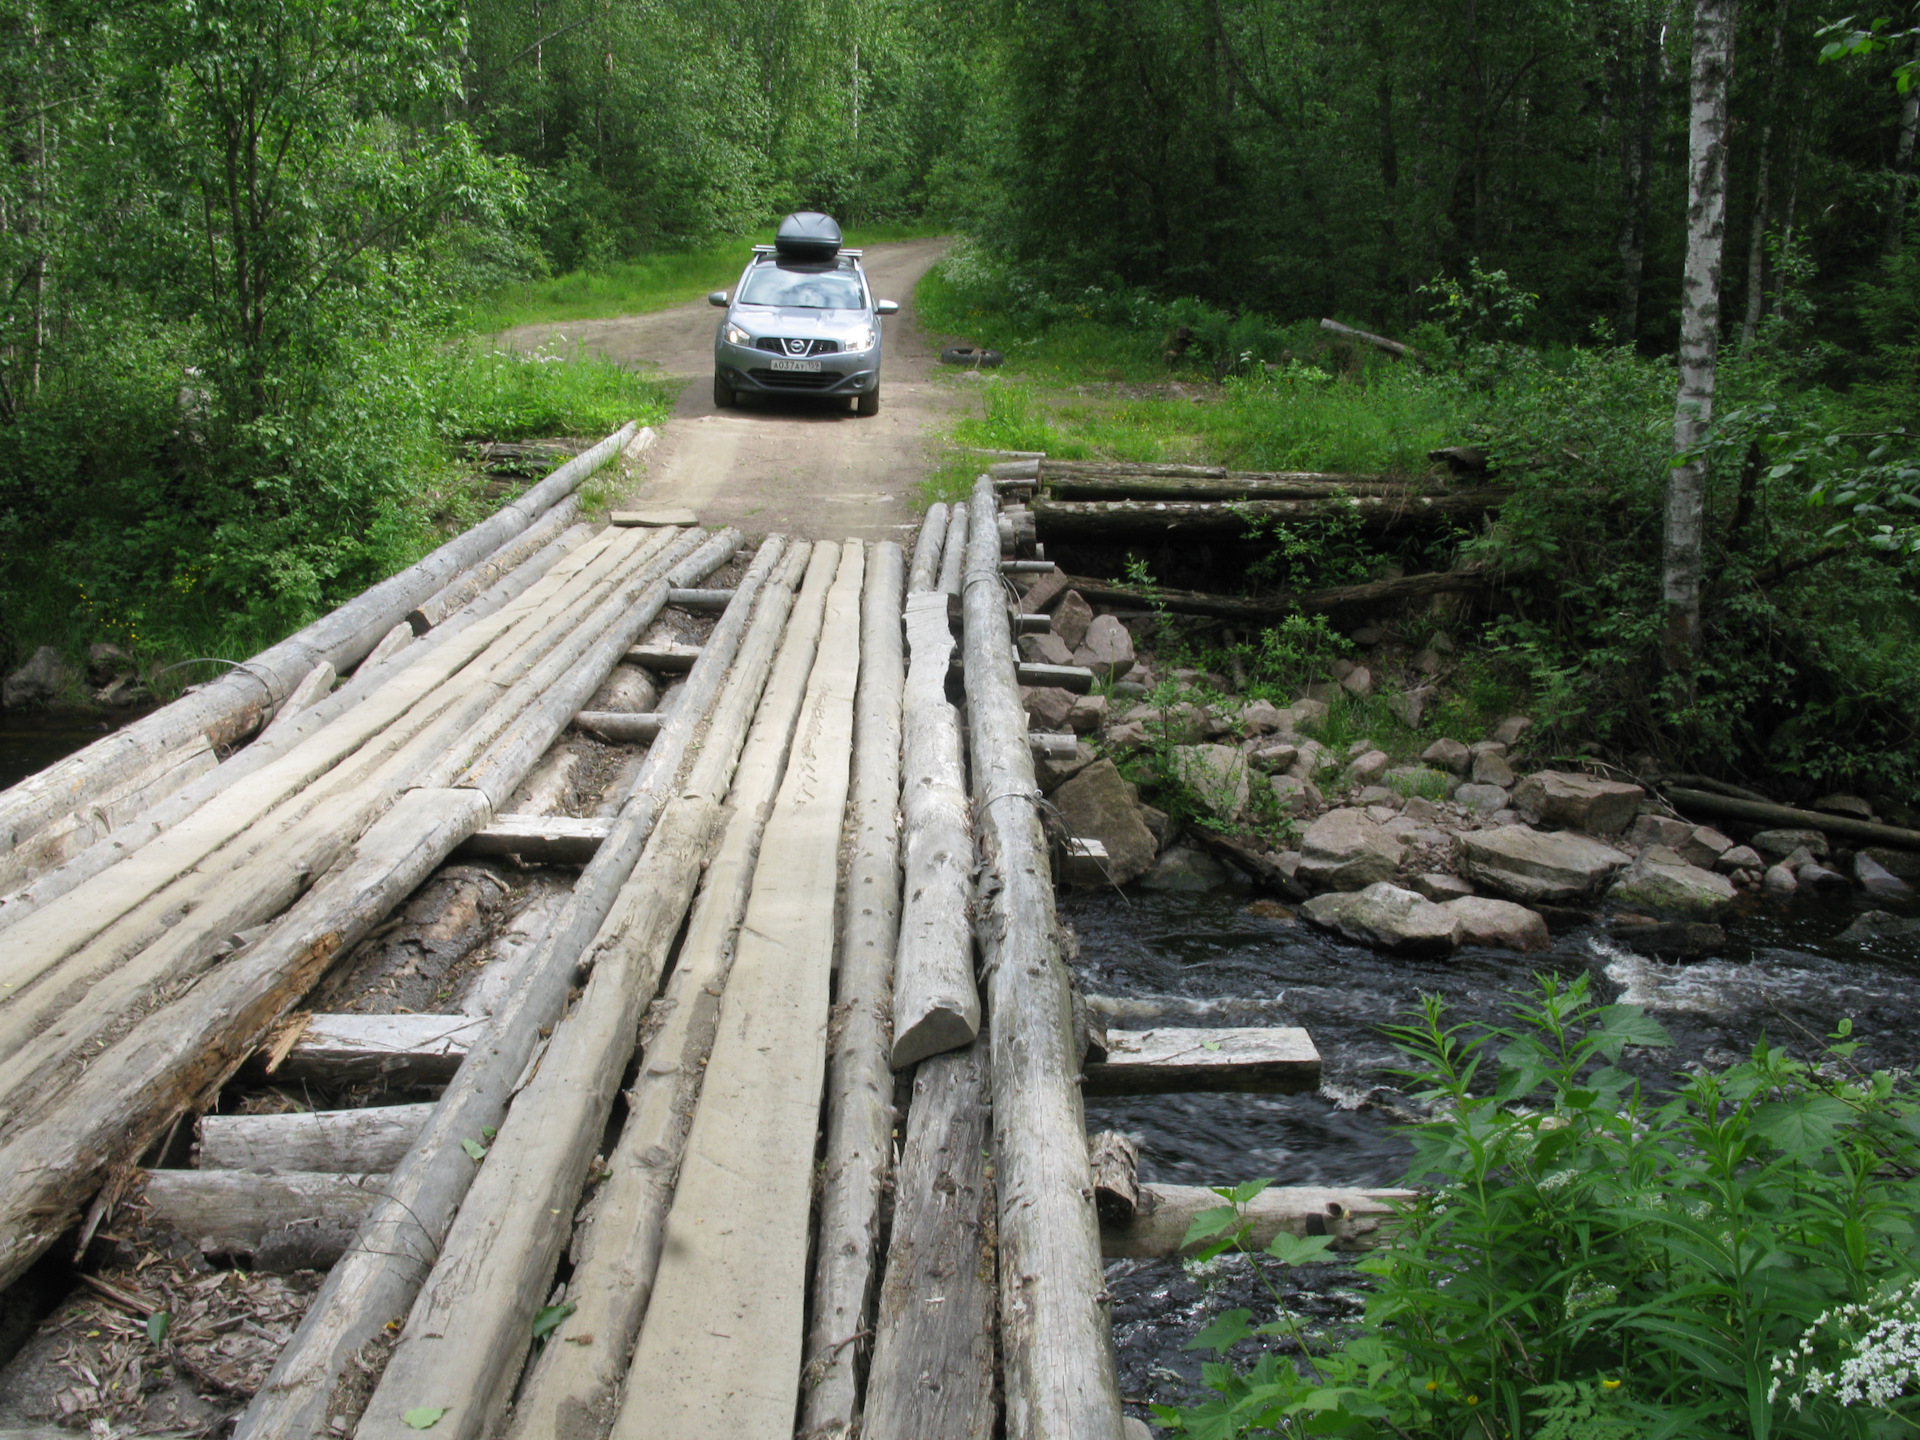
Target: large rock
<point x="1045" y="650"/>
<point x="1779" y="844"/>
<point x="1047" y="706"/>
<point x="1704" y="847"/>
<point x="1344" y="850"/>
<point x="1296" y="797"/>
<point x="1490" y="768"/>
<point x="1261" y="717"/>
<point x="1904" y="863"/>
<point x="1368" y="768"/>
<point x="1182" y="869"/>
<point x="1089" y="713"/>
<point x="1658" y="830"/>
<point x="1449" y="755"/>
<point x="1216" y="774"/>
<point x="1878" y="881"/>
<point x="1052" y="773"/>
<point x="1686" y="889"/>
<point x="1740" y="857"/>
<point x="1880" y="925"/>
<point x="1107" y="650"/>
<point x="38" y="682"/>
<point x="1484" y="921"/>
<point x="1531" y="866"/>
<point x="1579" y="802"/>
<point x="1309" y="710"/>
<point x="1271" y="758"/>
<point x="1358" y="681"/>
<point x="1387" y="918"/>
<point x="1441" y="888"/>
<point x="1182" y="724"/>
<point x="1483" y="799"/>
<point x="1098" y="805"/>
<point x="1509" y="730"/>
<point x="1071" y="619"/>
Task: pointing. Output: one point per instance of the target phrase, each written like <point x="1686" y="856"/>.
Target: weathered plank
<point x="1115" y="1159"/>
<point x="663" y="515"/>
<point x="1265" y="1060"/>
<point x="953" y="552"/>
<point x="669" y="659"/>
<point x="541" y="839"/>
<point x="314" y="684"/>
<point x="369" y="1141"/>
<point x="415" y="1049"/>
<point x="1355" y="1218"/>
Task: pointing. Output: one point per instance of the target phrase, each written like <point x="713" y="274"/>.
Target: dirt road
<point x="803" y="467"/>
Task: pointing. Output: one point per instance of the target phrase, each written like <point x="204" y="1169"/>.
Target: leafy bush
<point x="1593" y="1259"/>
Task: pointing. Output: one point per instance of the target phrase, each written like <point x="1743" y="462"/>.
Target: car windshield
<point x="803" y="289"/>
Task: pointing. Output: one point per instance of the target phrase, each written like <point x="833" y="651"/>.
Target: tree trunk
<point x="1636" y="185"/>
<point x="1903" y="165"/>
<point x="1763" y="169"/>
<point x="1129" y="519"/>
<point x="925" y="573"/>
<point x="370" y="1141"/>
<point x="490" y="571"/>
<point x="1713" y="26"/>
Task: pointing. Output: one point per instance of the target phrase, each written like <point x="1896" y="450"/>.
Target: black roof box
<point x="808" y="235"/>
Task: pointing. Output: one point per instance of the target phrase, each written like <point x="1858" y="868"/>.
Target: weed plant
<point x="1589" y="1257"/>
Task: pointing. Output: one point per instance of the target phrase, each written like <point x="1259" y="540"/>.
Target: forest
<point x="246" y="245"/>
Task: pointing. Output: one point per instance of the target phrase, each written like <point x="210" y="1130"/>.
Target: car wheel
<point x="723" y="395"/>
<point x="970" y="357"/>
<point x="869" y="403"/>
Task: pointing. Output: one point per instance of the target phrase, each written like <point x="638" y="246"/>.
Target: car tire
<point x="869" y="403"/>
<point x="723" y="394"/>
<point x="970" y="357"/>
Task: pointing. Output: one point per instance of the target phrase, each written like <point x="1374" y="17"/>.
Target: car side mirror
<point x="718" y="299"/>
<point x="886" y="307"/>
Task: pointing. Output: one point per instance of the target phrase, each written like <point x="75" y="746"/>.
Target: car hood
<point x="797" y="322"/>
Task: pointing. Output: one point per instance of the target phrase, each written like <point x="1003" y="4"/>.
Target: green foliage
<point x="1298" y="651"/>
<point x="1588" y="1258"/>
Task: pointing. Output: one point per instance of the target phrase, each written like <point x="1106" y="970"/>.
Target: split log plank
<point x="1379" y="342"/>
<point x="368" y="1141"/>
<point x="316" y="683"/>
<point x="417" y="1049"/>
<point x="1077" y="678"/>
<point x="953" y="551"/>
<point x="1095" y="480"/>
<point x="670" y="659"/>
<point x="663" y="515"/>
<point x="395" y="640"/>
<point x="1129" y="519"/>
<point x="436" y="608"/>
<point x="935" y="1004"/>
<point x="925" y="571"/>
<point x="1268" y="1061"/>
<point x="1056" y="1336"/>
<point x="541" y="839"/>
<point x="1354" y="1218"/>
<point x="721" y="1347"/>
<point x="860" y="1118"/>
<point x="378" y="1281"/>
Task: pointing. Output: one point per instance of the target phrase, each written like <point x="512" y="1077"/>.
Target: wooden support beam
<point x="316" y="683"/>
<point x="1027" y="567"/>
<point x="412" y="1049"/>
<point x="395" y="640"/>
<point x="437" y="608"/>
<point x="1115" y="1159"/>
<point x="954" y="551"/>
<point x="1076" y="678"/>
<point x="1268" y="1061"/>
<point x="1032" y="624"/>
<point x="1257" y="609"/>
<point x="669" y="659"/>
<point x="1355" y="1218"/>
<point x="701" y="601"/>
<point x="1056" y="1336"/>
<point x="1083" y="862"/>
<point x="234" y="1213"/>
<point x="620" y="727"/>
<point x="1755" y="812"/>
<point x="924" y="574"/>
<point x="1129" y="519"/>
<point x="1044" y="743"/>
<point x="541" y="839"/>
<point x="369" y="1141"/>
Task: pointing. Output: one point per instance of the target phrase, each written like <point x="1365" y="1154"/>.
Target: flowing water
<point x="1208" y="960"/>
<point x="33" y="738"/>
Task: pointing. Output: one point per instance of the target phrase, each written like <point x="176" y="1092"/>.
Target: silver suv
<point x="802" y="321"/>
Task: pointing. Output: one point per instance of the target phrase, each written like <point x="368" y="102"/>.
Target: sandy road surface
<point x="804" y="467"/>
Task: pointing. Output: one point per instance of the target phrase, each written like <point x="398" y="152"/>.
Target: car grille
<point x="777" y="346"/>
<point x="797" y="379"/>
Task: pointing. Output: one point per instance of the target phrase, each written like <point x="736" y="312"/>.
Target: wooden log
<point x="1379" y="342"/>
<point x="470" y="1328"/>
<point x="234" y="1213"/>
<point x="571" y="1389"/>
<point x="935" y="1004"/>
<point x="234" y="705"/>
<point x="621" y="728"/>
<point x="667" y="659"/>
<point x="317" y="682"/>
<point x="1056" y="1343"/>
<point x="1083" y="863"/>
<point x="541" y="839"/>
<point x="953" y="551"/>
<point x="108" y="1113"/>
<point x="1027" y="567"/>
<point x="1032" y="624"/>
<point x="1279" y="606"/>
<point x="1094" y="482"/>
<point x="705" y="602"/>
<point x="1268" y="1061"/>
<point x="369" y="1141"/>
<point x="1116" y="1176"/>
<point x="1076" y="678"/>
<point x="933" y="1345"/>
<point x="860" y="1117"/>
<point x="511" y="554"/>
<point x="401" y="1239"/>
<point x="660" y="515"/>
<point x="1755" y="812"/>
<point x="1027" y="469"/>
<point x="1125" y="519"/>
<point x="721" y="1347"/>
<point x="392" y="643"/>
<point x="925" y="572"/>
<point x="1354" y="1218"/>
<point x="1052" y="746"/>
<point x="628" y="691"/>
<point x="414" y="1049"/>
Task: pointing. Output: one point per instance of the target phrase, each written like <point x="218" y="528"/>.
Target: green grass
<point x="650" y="282"/>
<point x="496" y="395"/>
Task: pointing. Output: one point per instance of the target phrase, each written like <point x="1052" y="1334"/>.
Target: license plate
<point x="811" y="367"/>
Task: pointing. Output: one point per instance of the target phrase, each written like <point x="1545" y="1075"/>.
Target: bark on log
<point x="417" y="1049"/>
<point x="622" y="729"/>
<point x="953" y="551"/>
<point x="1097" y="480"/>
<point x="704" y="602"/>
<point x="234" y="705"/>
<point x="760" y="1097"/>
<point x="489" y="572"/>
<point x="470" y="1328"/>
<point x="1722" y="807"/>
<point x="1277" y="607"/>
<point x="859" y="1127"/>
<point x="571" y="1391"/>
<point x="1116" y="1176"/>
<point x="935" y="1004"/>
<point x="1268" y="1061"/>
<point x="927" y="550"/>
<point x="377" y="1282"/>
<point x="1123" y="519"/>
<point x="933" y="1346"/>
<point x="370" y="1141"/>
<point x="1355" y="1218"/>
<point x="233" y="1213"/>
<point x="1056" y="1343"/>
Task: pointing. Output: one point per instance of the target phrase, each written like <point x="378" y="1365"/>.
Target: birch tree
<point x="1713" y="22"/>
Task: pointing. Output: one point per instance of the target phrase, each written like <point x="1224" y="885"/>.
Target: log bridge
<point x="766" y="1118"/>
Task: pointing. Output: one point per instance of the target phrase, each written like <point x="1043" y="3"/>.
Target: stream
<point x="1207" y="960"/>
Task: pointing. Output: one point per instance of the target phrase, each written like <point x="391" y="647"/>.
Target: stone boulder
<point x="1358" y="681"/>
<point x="1822" y="880"/>
<point x="1089" y="713"/>
<point x="1878" y="881"/>
<point x="1490" y="768"/>
<point x="1070" y="620"/>
<point x="1216" y="774"/>
<point x="1844" y="805"/>
<point x="1449" y="755"/>
<point x="1530" y="866"/>
<point x="1127" y="735"/>
<point x="1484" y="799"/>
<point x="38" y="682"/>
<point x="1740" y="857"/>
<point x="1271" y="758"/>
<point x="1409" y="707"/>
<point x="1368" y="768"/>
<point x="1904" y="863"/>
<point x="1873" y="925"/>
<point x="1182" y="869"/>
<point x="1098" y="805"/>
<point x="1052" y="773"/>
<point x="1658" y="830"/>
<point x="1387" y="918"/>
<point x="1779" y="844"/>
<point x="1296" y="797"/>
<point x="1441" y="888"/>
<point x="1509" y="730"/>
<point x="1182" y="724"/>
<point x="1655" y="882"/>
<point x="106" y="663"/>
<point x="1344" y="850"/>
<point x="1310" y="760"/>
<point x="1045" y="650"/>
<point x="1262" y="717"/>
<point x="1780" y="881"/>
<point x="1579" y="802"/>
<point x="1500" y="923"/>
<point x="1309" y="710"/>
<point x="1107" y="650"/>
<point x="1047" y="706"/>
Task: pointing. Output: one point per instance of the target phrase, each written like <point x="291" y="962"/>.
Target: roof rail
<point x="852" y="253"/>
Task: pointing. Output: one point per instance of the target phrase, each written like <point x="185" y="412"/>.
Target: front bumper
<point x="745" y="368"/>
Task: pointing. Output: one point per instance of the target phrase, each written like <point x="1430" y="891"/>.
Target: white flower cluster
<point x="1878" y="1363"/>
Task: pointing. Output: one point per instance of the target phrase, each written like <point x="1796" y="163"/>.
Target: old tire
<point x="968" y="356"/>
<point x="869" y="403"/>
<point x="723" y="396"/>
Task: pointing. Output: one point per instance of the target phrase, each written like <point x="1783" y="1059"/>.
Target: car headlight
<point x="736" y="336"/>
<point x="862" y="339"/>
